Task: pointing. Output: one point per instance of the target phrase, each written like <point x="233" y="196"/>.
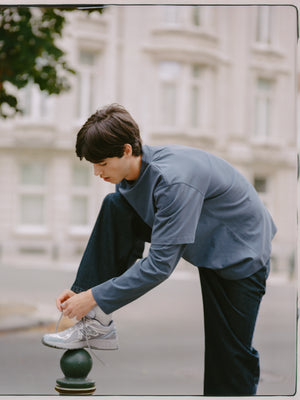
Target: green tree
<point x="29" y="52"/>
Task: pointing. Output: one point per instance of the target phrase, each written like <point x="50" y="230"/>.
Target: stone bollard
<point x="76" y="365"/>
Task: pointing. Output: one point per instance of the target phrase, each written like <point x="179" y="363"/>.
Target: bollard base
<point x="75" y="386"/>
<point x="75" y="391"/>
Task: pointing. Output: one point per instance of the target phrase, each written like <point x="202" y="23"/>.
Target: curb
<point x="19" y="322"/>
<point x="16" y="317"/>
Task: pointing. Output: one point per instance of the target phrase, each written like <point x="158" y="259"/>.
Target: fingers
<point x="65" y="295"/>
<point x="78" y="305"/>
<point x="71" y="308"/>
<point x="67" y="309"/>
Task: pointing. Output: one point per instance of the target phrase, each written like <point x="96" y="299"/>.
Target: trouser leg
<point x="230" y="313"/>
<point x="116" y="242"/>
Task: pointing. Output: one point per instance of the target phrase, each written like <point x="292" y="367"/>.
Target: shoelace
<point x="87" y="341"/>
<point x="58" y="322"/>
<point x="85" y="336"/>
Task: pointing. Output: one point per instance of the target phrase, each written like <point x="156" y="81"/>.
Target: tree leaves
<point x="29" y="52"/>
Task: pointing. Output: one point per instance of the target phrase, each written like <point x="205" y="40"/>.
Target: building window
<point x="264" y="25"/>
<point x="260" y="184"/>
<point x="86" y="83"/>
<point x="171" y="16"/>
<point x="263" y="188"/>
<point x="196" y="15"/>
<point x="32" y="209"/>
<point x="201" y="98"/>
<point x="263" y="107"/>
<point x="169" y="76"/>
<point x="196" y="96"/>
<point x="202" y="17"/>
<point x="186" y="97"/>
<point x="32" y="194"/>
<point x="36" y="105"/>
<point x="79" y="216"/>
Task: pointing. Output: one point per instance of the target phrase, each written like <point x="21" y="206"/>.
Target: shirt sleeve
<point x="178" y="209"/>
<point x="141" y="277"/>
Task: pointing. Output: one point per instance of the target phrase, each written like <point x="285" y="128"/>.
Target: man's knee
<point x="115" y="202"/>
<point x="118" y="209"/>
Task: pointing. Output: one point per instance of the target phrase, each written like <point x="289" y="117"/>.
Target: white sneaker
<point x="88" y="332"/>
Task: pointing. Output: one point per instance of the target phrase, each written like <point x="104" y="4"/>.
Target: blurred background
<point x="221" y="78"/>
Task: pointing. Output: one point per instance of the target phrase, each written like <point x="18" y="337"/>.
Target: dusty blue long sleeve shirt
<point x="200" y="208"/>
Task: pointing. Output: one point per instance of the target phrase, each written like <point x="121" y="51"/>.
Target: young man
<point x="186" y="203"/>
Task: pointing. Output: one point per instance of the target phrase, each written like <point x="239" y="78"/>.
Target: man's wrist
<point x="91" y="297"/>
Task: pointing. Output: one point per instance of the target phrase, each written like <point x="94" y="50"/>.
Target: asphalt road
<point x="160" y="336"/>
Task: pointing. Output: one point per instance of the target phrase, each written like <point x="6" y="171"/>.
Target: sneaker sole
<point x="93" y="344"/>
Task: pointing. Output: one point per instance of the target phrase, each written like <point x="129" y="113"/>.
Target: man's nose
<point x="97" y="170"/>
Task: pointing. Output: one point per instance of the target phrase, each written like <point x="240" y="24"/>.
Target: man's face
<point x="113" y="169"/>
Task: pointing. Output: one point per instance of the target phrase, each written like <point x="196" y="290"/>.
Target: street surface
<point x="160" y="337"/>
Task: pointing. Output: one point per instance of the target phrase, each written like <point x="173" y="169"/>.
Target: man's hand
<point x="66" y="294"/>
<point x="75" y="305"/>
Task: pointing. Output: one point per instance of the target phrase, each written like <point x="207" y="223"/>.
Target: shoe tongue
<point x="91" y="314"/>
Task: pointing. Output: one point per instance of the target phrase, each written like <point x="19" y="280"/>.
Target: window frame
<point x="32" y="189"/>
<point x="86" y="83"/>
<point x="78" y="190"/>
<point x="264" y="102"/>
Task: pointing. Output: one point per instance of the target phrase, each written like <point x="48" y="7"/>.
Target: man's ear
<point x="127" y="150"/>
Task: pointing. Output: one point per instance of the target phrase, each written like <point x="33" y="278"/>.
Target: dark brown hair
<point x="106" y="132"/>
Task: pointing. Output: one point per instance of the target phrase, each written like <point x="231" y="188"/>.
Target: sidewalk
<point x="27" y="296"/>
<point x="16" y="317"/>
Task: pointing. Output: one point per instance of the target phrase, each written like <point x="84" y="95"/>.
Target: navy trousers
<point x="230" y="306"/>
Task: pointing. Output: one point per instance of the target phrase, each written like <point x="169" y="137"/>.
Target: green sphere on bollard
<point x="76" y="365"/>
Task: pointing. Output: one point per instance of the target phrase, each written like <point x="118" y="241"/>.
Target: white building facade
<point x="222" y="78"/>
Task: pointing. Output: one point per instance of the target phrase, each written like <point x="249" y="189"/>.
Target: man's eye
<point x="102" y="164"/>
